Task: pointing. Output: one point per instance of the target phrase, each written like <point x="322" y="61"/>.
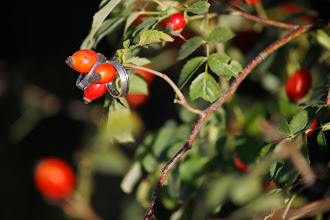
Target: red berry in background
<point x="313" y="125"/>
<point x="177" y="21"/>
<point x="136" y="100"/>
<point x="148" y="76"/>
<point x="82" y="60"/>
<point x="94" y="91"/>
<point x="54" y="178"/>
<point x="163" y="23"/>
<point x="104" y="73"/>
<point x="240" y="165"/>
<point x="252" y="1"/>
<point x="298" y="84"/>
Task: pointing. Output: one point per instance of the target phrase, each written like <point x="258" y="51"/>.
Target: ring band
<point x="84" y="83"/>
<point x="124" y="81"/>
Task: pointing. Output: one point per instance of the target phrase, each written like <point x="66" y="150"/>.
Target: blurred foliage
<point x="135" y="144"/>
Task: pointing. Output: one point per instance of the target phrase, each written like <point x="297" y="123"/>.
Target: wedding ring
<point x="85" y="80"/>
<point x="118" y="88"/>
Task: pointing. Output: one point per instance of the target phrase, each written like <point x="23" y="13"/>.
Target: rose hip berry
<point x="240" y="165"/>
<point x="252" y="1"/>
<point x="298" y="84"/>
<point x="104" y="73"/>
<point x="313" y="125"/>
<point x="148" y="76"/>
<point x="54" y="178"/>
<point x="82" y="60"/>
<point x="177" y="21"/>
<point x="136" y="100"/>
<point x="94" y="91"/>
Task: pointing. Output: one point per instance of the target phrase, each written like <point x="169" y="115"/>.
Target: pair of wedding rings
<point x="115" y="88"/>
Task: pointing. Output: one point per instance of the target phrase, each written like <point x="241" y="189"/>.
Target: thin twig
<point x="262" y="56"/>
<point x="182" y="100"/>
<point x="305" y="211"/>
<point x="246" y="15"/>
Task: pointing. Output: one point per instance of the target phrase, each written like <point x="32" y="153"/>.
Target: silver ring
<point x="124" y="81"/>
<point x="84" y="82"/>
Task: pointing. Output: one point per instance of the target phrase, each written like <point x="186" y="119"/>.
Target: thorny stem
<point x="258" y="59"/>
<point x="182" y="100"/>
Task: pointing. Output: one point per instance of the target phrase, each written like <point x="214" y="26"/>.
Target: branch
<point x="246" y="15"/>
<point x="299" y="212"/>
<point x="182" y="99"/>
<point x="262" y="56"/>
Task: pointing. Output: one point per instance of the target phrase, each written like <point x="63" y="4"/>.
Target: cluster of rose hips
<point x="54" y="178"/>
<point x="83" y="61"/>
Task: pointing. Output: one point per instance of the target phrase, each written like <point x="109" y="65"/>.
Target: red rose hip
<point x="104" y="73"/>
<point x="94" y="91"/>
<point x="177" y="21"/>
<point x="148" y="76"/>
<point x="298" y="84"/>
<point x="82" y="60"/>
<point x="252" y="1"/>
<point x="54" y="178"/>
<point x="136" y="100"/>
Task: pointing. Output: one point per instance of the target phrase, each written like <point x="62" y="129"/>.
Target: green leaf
<point x="201" y="7"/>
<point x="189" y="69"/>
<point x="101" y="15"/>
<point x="323" y="38"/>
<point x="224" y="66"/>
<point x="131" y="178"/>
<point x="154" y="36"/>
<point x="218" y="189"/>
<point x="206" y="87"/>
<point x="107" y="27"/>
<point x="190" y="46"/>
<point x="303" y="119"/>
<point x="126" y="44"/>
<point x="122" y="123"/>
<point x="321" y="141"/>
<point x="110" y="161"/>
<point x="131" y="18"/>
<point x="138" y="84"/>
<point x="283" y="126"/>
<point x="140" y="61"/>
<point x="263" y="204"/>
<point x="220" y="34"/>
<point x="245" y="189"/>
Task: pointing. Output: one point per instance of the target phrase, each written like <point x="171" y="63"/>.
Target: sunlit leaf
<point x="154" y="36"/>
<point x="220" y="34"/>
<point x="206" y="87"/>
<point x="101" y="15"/>
<point x="201" y="7"/>
<point x="140" y="61"/>
<point x="122" y="123"/>
<point x="224" y="66"/>
<point x="131" y="178"/>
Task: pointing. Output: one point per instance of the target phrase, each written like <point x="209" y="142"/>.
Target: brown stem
<point x="182" y="99"/>
<point x="246" y="15"/>
<point x="220" y="101"/>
